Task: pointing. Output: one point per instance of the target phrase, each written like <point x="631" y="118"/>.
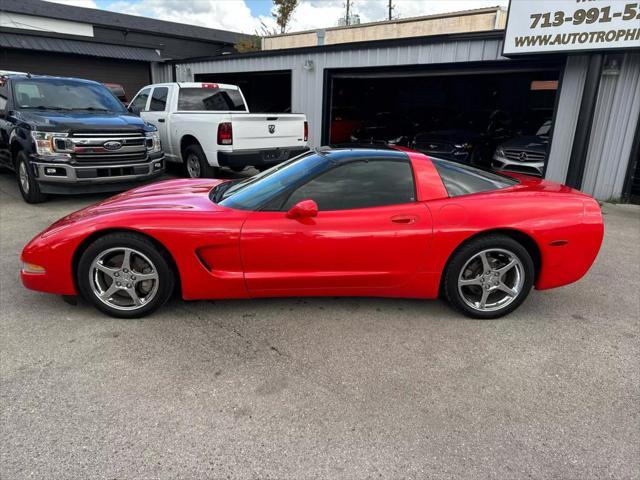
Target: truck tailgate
<point x="263" y="130"/>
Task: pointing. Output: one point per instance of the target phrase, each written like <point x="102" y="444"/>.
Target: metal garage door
<point x="132" y="75"/>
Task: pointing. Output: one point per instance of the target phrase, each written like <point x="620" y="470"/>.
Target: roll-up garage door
<point x="132" y="75"/>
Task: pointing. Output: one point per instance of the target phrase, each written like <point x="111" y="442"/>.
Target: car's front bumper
<point x="528" y="168"/>
<point x="65" y="178"/>
<point x="258" y="158"/>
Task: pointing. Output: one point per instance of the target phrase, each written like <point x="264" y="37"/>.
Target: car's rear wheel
<point x="27" y="183"/>
<point x="196" y="165"/>
<point x="489" y="277"/>
<point x="125" y="275"/>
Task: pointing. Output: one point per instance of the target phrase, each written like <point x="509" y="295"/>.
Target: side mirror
<point x="303" y="209"/>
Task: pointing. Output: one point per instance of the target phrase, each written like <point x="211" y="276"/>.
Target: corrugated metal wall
<point x="161" y="72"/>
<point x="575" y="73"/>
<point x="613" y="130"/>
<point x="307" y="95"/>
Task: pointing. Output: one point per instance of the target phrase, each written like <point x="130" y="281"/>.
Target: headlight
<point x="500" y="152"/>
<point x="395" y="141"/>
<point x="50" y="144"/>
<point x="153" y="142"/>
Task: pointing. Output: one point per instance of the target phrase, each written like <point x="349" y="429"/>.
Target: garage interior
<point x="265" y="92"/>
<point x="394" y="106"/>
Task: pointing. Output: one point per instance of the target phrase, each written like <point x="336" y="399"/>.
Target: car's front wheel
<point x="27" y="183"/>
<point x="489" y="277"/>
<point x="125" y="275"/>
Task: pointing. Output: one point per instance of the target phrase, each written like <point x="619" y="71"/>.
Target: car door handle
<point x="161" y="120"/>
<point x="404" y="219"/>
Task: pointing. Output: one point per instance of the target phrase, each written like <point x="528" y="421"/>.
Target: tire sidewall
<point x="137" y="242"/>
<point x="466" y="252"/>
<point x="206" y="170"/>
<point x="34" y="195"/>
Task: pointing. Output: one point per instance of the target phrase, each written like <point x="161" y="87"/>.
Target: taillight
<point x="225" y="133"/>
<point x="306" y="131"/>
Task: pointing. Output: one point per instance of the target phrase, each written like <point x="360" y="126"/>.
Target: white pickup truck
<point x="208" y="125"/>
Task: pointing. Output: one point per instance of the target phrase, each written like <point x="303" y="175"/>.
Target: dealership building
<point x="587" y="95"/>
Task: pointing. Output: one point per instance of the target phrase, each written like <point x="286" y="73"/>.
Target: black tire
<point x="160" y="263"/>
<point x="196" y="165"/>
<point x="27" y="183"/>
<point x="466" y="253"/>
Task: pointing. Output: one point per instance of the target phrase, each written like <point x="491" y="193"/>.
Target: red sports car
<point x="356" y="222"/>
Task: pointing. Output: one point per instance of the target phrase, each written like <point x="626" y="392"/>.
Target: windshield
<point x="254" y="192"/>
<point x="64" y="94"/>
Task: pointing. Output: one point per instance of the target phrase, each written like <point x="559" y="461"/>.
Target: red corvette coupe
<point x="356" y="222"/>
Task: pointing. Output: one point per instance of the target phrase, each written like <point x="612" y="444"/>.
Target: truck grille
<point x="107" y="147"/>
<point x="522" y="156"/>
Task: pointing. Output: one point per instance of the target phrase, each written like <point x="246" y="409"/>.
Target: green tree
<point x="283" y="12"/>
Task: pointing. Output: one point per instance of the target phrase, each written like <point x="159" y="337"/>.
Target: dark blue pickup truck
<point x="66" y="135"/>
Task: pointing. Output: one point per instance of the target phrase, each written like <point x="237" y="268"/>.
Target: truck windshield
<point x="211" y="99"/>
<point x="64" y="94"/>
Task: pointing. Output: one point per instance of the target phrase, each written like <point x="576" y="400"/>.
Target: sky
<point x="246" y="16"/>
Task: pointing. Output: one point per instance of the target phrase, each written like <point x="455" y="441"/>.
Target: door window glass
<point x="358" y="184"/>
<point x="159" y="99"/>
<point x="140" y="102"/>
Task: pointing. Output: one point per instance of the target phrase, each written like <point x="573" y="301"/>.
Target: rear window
<point x="461" y="179"/>
<point x="212" y="99"/>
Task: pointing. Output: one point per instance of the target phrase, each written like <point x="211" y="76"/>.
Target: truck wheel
<point x="196" y="165"/>
<point x="27" y="183"/>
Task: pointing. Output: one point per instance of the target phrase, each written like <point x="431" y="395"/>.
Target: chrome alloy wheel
<point x="491" y="280"/>
<point x="123" y="278"/>
<point x="24" y="177"/>
<point x="193" y="166"/>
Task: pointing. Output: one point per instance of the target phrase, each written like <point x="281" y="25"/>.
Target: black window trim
<point x="338" y="164"/>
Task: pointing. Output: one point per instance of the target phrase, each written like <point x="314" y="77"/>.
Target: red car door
<point x="382" y="243"/>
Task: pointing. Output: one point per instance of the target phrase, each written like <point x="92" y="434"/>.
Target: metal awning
<point x="76" y="47"/>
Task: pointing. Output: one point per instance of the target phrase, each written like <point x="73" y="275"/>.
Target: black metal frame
<point x="634" y="163"/>
<point x="580" y="147"/>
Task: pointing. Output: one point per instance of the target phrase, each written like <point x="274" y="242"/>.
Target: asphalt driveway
<point x="321" y="388"/>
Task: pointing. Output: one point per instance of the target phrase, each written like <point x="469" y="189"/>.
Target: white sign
<point x="547" y="26"/>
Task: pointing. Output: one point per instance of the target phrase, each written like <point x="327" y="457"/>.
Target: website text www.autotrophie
<point x="604" y="36"/>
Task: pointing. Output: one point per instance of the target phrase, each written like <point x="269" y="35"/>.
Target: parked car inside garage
<point x="524" y="153"/>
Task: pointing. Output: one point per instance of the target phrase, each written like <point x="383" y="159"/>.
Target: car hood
<point x="530" y="143"/>
<point x="61" y="121"/>
<point x="166" y="196"/>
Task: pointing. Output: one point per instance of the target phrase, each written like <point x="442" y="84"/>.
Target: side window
<point x="461" y="179"/>
<point x="159" y="99"/>
<point x="140" y="102"/>
<point x="4" y="95"/>
<point x="359" y="184"/>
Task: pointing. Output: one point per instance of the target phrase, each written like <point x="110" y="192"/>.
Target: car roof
<point x="343" y="154"/>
